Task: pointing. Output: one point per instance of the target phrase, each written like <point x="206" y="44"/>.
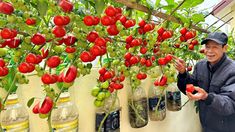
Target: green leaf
<point x="92" y="3"/>
<point x="198" y="18"/>
<point x="30" y="102"/>
<point x="191" y="3"/>
<point x="169" y="7"/>
<point x="26" y="1"/>
<point x="107" y="60"/>
<point x="99" y="6"/>
<point x="157" y="3"/>
<point x="42" y="7"/>
<point x="170" y="2"/>
<point x="8" y="81"/>
<point x="150" y="4"/>
<point x="183" y="18"/>
<point x="89" y="65"/>
<point x="59" y="85"/>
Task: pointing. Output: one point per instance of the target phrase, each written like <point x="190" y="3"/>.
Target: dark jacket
<point x="217" y="112"/>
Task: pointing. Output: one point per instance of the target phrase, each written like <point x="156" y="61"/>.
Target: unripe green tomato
<point x="11" y="18"/>
<point x="95" y="91"/>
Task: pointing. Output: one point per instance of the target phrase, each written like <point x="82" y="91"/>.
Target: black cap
<point x="218" y="37"/>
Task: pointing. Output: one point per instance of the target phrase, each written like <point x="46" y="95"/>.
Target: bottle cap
<point x="64" y="95"/>
<point x="12" y="97"/>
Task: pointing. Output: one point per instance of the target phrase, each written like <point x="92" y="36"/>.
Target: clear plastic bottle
<point x="173" y="97"/>
<point x="156" y="93"/>
<point x="138" y="108"/>
<point x="112" y="122"/>
<point x="64" y="118"/>
<point x="14" y="117"/>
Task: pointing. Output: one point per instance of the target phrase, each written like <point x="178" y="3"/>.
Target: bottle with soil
<point x="14" y="117"/>
<point x="65" y="116"/>
<point x="108" y="116"/>
<point x="138" y="107"/>
<point x="157" y="103"/>
<point x="173" y="97"/>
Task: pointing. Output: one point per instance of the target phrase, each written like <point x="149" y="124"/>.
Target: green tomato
<point x="67" y="85"/>
<point x="3" y="51"/>
<point x="137" y="82"/>
<point x="126" y="73"/>
<point x="18" y="53"/>
<point x="170" y="80"/>
<point x="95" y="91"/>
<point x="16" y="58"/>
<point x="26" y="14"/>
<point x="81" y="44"/>
<point x="109" y="48"/>
<point x="98" y="103"/>
<point x="11" y="18"/>
<point x="132" y="50"/>
<point x="40" y="73"/>
<point x="107" y="94"/>
<point x="105" y="65"/>
<point x="123" y="67"/>
<point x="116" y="62"/>
<point x="80" y="65"/>
<point x="105" y="84"/>
<point x="25" y="46"/>
<point x="101" y="96"/>
<point x="119" y="68"/>
<point x="21" y="81"/>
<point x="119" y="26"/>
<point x="19" y="20"/>
<point x="59" y="48"/>
<point x="71" y="56"/>
<point x="43" y="116"/>
<point x="112" y="54"/>
<point x="76" y="30"/>
<point x="122" y="33"/>
<point x="18" y="75"/>
<point x="2" y="23"/>
<point x="98" y="28"/>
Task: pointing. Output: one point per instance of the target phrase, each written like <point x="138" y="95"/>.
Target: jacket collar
<point x="213" y="68"/>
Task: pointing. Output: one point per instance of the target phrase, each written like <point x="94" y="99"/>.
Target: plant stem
<point x="131" y="104"/>
<point x="184" y="104"/>
<point x="9" y="90"/>
<point x="101" y="64"/>
<point x="49" y="122"/>
<point x="49" y="115"/>
<point x="159" y="101"/>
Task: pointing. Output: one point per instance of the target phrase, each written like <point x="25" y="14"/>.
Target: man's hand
<point x="180" y="65"/>
<point x="200" y="95"/>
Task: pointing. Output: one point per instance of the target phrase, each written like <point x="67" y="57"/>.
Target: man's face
<point x="214" y="51"/>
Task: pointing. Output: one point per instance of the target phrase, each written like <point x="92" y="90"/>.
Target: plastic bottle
<point x="155" y="94"/>
<point x="64" y="118"/>
<point x="14" y="117"/>
<point x="138" y="108"/>
<point x="112" y="122"/>
<point x="173" y="97"/>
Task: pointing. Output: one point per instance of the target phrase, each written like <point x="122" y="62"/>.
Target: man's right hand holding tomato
<point x="201" y="94"/>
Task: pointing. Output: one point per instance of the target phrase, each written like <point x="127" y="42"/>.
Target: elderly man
<point x="215" y="81"/>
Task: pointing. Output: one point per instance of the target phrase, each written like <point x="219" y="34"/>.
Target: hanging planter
<point x="138" y="108"/>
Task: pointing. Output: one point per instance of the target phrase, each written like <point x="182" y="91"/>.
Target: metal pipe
<point x="223" y="24"/>
<point x="219" y="19"/>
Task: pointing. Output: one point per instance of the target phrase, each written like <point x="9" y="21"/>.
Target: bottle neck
<point x="112" y="103"/>
<point x="64" y="97"/>
<point x="12" y="99"/>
